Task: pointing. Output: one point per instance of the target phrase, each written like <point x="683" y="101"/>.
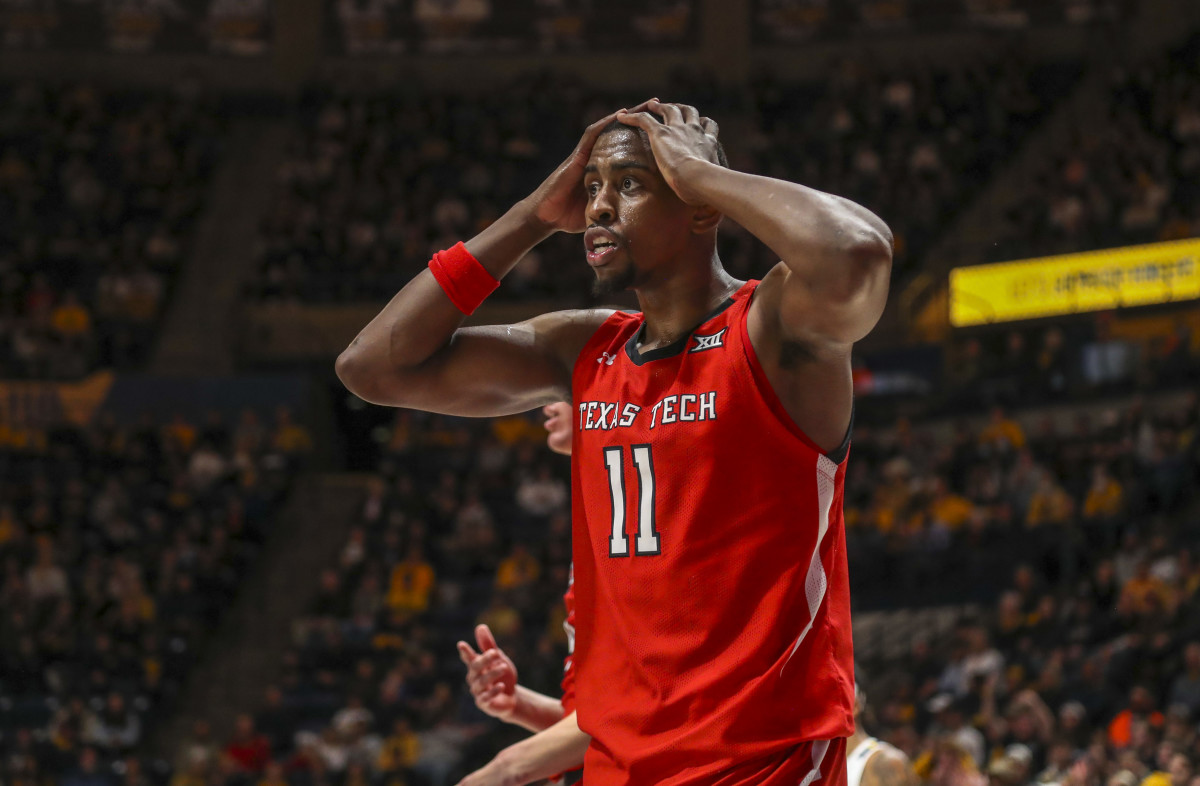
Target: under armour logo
<point x="606" y="358"/>
<point x="709" y="342"/>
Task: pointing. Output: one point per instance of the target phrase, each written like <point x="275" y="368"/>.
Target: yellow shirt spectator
<point x="411" y="584"/>
<point x="1003" y="431"/>
<point x="70" y="319"/>
<point x="951" y="510"/>
<point x="1050" y="505"/>
<point x="1145" y="593"/>
<point x="517" y="569"/>
<point x="400" y="750"/>
<point x="1104" y="498"/>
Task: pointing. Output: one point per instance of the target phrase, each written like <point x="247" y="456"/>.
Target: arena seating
<point x="374" y="184"/>
<point x="98" y="190"/>
<point x="120" y="546"/>
<point x="1130" y="180"/>
<point x="466" y="522"/>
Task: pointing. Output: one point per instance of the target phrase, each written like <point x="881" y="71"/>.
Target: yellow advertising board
<point x="1075" y="283"/>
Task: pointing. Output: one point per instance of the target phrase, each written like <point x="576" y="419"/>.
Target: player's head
<point x="637" y="226"/>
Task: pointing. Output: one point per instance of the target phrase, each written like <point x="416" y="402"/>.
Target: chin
<point x="612" y="282"/>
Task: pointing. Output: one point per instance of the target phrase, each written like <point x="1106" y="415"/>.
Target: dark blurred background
<point x="219" y="568"/>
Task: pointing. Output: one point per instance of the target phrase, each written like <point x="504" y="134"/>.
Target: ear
<point x="705" y="219"/>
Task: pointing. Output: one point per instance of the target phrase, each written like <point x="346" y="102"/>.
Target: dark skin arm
<point x="828" y="291"/>
<point x="416" y="354"/>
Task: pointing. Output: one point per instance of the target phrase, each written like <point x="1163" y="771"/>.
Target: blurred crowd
<point x="911" y="145"/>
<point x="1084" y="668"/>
<point x="374" y="184"/>
<point x="381" y="27"/>
<point x="467" y="522"/>
<point x="1132" y="179"/>
<point x="120" y="545"/>
<point x="98" y="191"/>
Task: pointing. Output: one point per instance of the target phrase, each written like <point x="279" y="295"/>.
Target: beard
<point x="617" y="282"/>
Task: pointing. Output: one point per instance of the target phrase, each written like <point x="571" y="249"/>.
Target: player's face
<point x="635" y="221"/>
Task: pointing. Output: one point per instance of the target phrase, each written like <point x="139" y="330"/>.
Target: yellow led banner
<point x="1074" y="283"/>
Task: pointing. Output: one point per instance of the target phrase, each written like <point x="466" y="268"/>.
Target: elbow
<point x="873" y="247"/>
<point x="352" y="369"/>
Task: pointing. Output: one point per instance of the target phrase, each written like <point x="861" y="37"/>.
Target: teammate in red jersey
<point x="714" y="642"/>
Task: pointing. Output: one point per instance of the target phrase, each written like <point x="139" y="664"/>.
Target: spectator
<point x="88" y="773"/>
<point x="412" y="582"/>
<point x="115" y="729"/>
<point x="249" y="750"/>
<point x="1185" y="688"/>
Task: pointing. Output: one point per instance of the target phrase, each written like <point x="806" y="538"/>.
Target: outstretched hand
<point x="679" y="139"/>
<point x="560" y="201"/>
<point x="491" y="675"/>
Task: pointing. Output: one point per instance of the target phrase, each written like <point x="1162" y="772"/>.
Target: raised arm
<point x="837" y="254"/>
<point x="415" y="352"/>
<point x="828" y="291"/>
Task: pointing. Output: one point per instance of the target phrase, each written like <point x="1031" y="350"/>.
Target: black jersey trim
<point x="838" y="454"/>
<point x="675" y="347"/>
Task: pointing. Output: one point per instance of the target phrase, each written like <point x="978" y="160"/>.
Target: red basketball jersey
<point x="710" y="565"/>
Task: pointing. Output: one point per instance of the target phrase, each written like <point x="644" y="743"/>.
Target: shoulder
<point x="889" y="765"/>
<point x="565" y="333"/>
<point x="772" y="299"/>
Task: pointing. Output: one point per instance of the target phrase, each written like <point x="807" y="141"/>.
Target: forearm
<point x="421" y="319"/>
<point x="820" y="236"/>
<point x="557" y="749"/>
<point x="535" y="711"/>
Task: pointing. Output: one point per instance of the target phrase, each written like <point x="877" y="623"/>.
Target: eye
<point x="592" y="188"/>
<point x="628" y="183"/>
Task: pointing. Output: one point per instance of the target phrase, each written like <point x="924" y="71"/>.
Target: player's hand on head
<point x="491" y="675"/>
<point x="558" y="424"/>
<point x="678" y="135"/>
<point x="559" y="202"/>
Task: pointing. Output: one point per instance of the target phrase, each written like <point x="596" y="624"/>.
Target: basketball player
<point x="872" y="762"/>
<point x="558" y="745"/>
<point x="709" y="453"/>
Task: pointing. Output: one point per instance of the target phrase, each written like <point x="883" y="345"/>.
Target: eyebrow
<point x="625" y="164"/>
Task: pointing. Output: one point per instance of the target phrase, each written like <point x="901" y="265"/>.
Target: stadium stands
<point x="467" y="522"/>
<point x="376" y="183"/>
<point x="1132" y="179"/>
<point x="98" y="190"/>
<point x="120" y="546"/>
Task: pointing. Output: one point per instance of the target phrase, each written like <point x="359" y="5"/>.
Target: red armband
<point x="466" y="282"/>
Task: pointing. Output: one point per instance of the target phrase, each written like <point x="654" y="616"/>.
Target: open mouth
<point x="599" y="243"/>
<point x="599" y="250"/>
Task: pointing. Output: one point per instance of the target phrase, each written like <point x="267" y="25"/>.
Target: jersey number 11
<point x="647" y="537"/>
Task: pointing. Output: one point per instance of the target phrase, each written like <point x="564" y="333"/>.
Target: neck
<point x="676" y="304"/>
<point x="855" y="739"/>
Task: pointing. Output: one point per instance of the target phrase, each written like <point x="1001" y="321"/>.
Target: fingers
<point x="467" y="654"/>
<point x="644" y="106"/>
<point x="671" y="113"/>
<point x="710" y="126"/>
<point x="642" y="120"/>
<point x="485" y="639"/>
<point x="690" y="114"/>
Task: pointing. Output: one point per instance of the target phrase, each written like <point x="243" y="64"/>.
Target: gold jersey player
<point x="709" y="451"/>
